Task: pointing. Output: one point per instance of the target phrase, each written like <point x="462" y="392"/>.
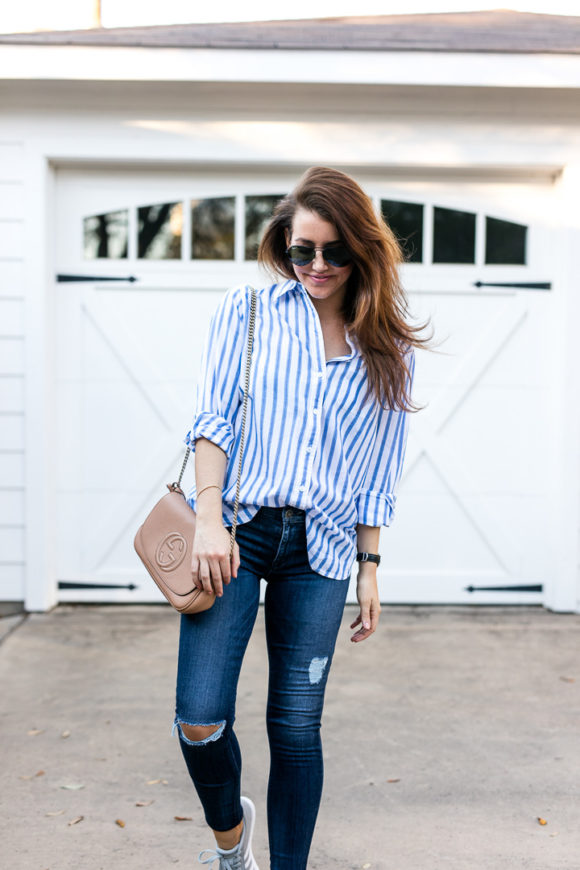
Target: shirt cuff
<point x="213" y="427"/>
<point x="375" y="508"/>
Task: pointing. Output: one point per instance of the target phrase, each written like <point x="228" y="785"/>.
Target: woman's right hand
<point x="210" y="557"/>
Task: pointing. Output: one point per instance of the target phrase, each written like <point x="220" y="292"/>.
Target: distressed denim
<point x="303" y="612"/>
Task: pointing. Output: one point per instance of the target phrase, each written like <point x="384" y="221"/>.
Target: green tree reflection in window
<point x="406" y="221"/>
<point x="258" y="212"/>
<point x="212" y="228"/>
<point x="106" y="236"/>
<point x="160" y="228"/>
<point x="505" y="242"/>
<point x="453" y="236"/>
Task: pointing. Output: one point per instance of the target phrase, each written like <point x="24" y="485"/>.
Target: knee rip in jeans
<point x="316" y="669"/>
<point x="198" y="733"/>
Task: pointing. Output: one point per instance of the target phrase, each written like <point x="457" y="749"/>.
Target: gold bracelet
<point x="209" y="486"/>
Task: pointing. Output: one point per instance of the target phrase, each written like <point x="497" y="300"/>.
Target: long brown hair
<point x="375" y="304"/>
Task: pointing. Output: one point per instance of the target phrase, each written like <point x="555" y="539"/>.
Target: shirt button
<point x="315" y="410"/>
<point x="309" y="449"/>
<point x="320" y="374"/>
<point x="301" y="488"/>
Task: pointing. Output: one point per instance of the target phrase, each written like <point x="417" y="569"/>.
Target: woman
<point x="328" y="401"/>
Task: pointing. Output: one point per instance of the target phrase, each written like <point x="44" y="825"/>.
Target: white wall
<point x="477" y="132"/>
<point x="12" y="369"/>
<point x="284" y="124"/>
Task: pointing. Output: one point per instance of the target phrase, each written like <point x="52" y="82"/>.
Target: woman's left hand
<point x="367" y="593"/>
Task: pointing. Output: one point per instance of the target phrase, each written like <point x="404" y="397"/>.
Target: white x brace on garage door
<point x="470" y="522"/>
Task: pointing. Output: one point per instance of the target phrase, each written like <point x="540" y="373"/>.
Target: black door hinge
<point x="66" y="585"/>
<point x="538" y="588"/>
<point x="80" y="278"/>
<point x="519" y="285"/>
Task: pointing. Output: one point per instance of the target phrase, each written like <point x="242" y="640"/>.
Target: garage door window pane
<point x="453" y="236"/>
<point x="212" y="228"/>
<point x="406" y="221"/>
<point x="160" y="229"/>
<point x="106" y="236"/>
<point x="258" y="212"/>
<point x="505" y="242"/>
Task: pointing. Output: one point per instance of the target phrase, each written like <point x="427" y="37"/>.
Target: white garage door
<point x="142" y="261"/>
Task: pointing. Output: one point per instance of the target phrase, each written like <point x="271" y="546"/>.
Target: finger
<point x="236" y="560"/>
<point x="365" y="619"/>
<point x="373" y="621"/>
<point x="216" y="576"/>
<point x="205" y="575"/>
<point x="195" y="572"/>
<point x="375" y="615"/>
<point x="361" y="634"/>
<point x="224" y="564"/>
<point x="365" y="612"/>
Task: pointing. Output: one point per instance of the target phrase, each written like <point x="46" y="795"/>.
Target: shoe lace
<point x="227" y="862"/>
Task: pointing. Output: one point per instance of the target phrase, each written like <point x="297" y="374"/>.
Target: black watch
<point x="368" y="557"/>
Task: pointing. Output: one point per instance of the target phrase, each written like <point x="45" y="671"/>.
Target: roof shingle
<point x="499" y="30"/>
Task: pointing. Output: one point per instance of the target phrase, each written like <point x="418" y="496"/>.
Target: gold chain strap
<point x="243" y="432"/>
<point x="244" y="409"/>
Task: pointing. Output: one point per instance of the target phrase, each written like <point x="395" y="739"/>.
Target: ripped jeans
<point x="303" y="612"/>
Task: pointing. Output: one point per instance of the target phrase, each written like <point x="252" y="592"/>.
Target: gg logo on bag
<point x="171" y="551"/>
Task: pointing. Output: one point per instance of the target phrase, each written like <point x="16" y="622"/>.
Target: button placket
<point x="319" y="375"/>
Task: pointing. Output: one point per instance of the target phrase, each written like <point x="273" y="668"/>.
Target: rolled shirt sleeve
<point x="218" y="387"/>
<point x="376" y="500"/>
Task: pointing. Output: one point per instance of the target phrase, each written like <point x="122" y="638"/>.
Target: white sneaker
<point x="249" y="862"/>
<point x="240" y="857"/>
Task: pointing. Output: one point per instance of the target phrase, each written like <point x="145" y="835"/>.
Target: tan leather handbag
<point x="165" y="539"/>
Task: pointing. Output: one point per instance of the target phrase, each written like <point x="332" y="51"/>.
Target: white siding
<point x="12" y="252"/>
<point x="418" y="134"/>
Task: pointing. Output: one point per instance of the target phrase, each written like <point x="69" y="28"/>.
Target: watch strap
<point x="368" y="557"/>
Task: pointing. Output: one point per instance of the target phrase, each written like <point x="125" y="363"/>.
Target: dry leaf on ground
<point x="65" y="734"/>
<point x="120" y="822"/>
<point x="57" y="813"/>
<point x="34" y="731"/>
<point x="144" y="803"/>
<point x="183" y="818"/>
<point x="76" y="821"/>
<point x="393" y="780"/>
<point x="73" y="787"/>
<point x="542" y="821"/>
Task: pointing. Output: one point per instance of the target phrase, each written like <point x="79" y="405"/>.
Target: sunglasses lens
<point x="337" y="256"/>
<point x="300" y="255"/>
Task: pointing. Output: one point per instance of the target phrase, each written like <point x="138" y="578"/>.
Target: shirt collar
<point x="352" y="343"/>
<point x="292" y="284"/>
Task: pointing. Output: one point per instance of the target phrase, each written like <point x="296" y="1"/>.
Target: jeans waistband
<point x="287" y="513"/>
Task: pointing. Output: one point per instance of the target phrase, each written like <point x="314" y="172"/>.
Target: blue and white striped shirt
<point x="312" y="440"/>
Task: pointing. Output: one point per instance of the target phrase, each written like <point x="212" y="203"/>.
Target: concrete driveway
<point x="447" y="736"/>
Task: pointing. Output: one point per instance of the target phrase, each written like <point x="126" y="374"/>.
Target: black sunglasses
<point x="335" y="255"/>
